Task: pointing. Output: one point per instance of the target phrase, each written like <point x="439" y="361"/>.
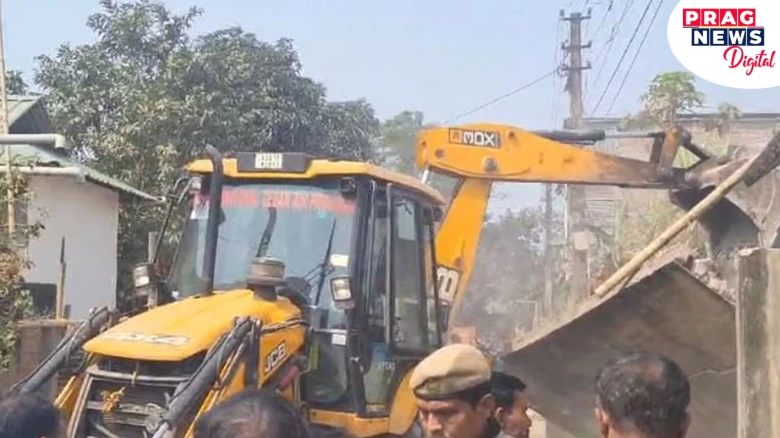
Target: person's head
<point x="453" y="392"/>
<point x="643" y="395"/>
<point x="252" y="413"/>
<point x="511" y="404"/>
<point x="30" y="416"/>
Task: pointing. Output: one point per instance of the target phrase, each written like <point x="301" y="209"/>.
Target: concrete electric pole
<point x="548" y="308"/>
<point x="575" y="199"/>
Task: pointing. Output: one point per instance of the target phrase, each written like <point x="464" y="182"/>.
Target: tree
<point x="670" y="94"/>
<point x="145" y="98"/>
<point x="399" y="138"/>
<point x="508" y="275"/>
<point x="727" y="114"/>
<point x="397" y="148"/>
<point x="15" y="83"/>
<point x="15" y="300"/>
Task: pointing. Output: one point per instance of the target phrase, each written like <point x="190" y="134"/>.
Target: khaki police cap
<point x="449" y="370"/>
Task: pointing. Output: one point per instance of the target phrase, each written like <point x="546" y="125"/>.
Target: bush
<point x="15" y="301"/>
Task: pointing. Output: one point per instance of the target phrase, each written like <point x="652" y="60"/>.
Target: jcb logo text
<point x="275" y="357"/>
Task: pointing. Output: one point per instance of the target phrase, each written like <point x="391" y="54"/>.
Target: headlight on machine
<point x="141" y="276"/>
<point x="341" y="291"/>
<point x="145" y="283"/>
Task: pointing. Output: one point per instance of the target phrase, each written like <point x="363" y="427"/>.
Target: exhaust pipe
<point x="212" y="224"/>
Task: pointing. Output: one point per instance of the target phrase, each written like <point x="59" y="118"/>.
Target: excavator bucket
<point x="747" y="217"/>
<point x="665" y="309"/>
<point x="751" y="216"/>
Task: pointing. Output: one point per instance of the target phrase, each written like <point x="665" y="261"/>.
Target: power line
<point x="603" y="19"/>
<point x="555" y="94"/>
<point x="502" y="97"/>
<point x="611" y="40"/>
<point x="622" y="57"/>
<point x="636" y="55"/>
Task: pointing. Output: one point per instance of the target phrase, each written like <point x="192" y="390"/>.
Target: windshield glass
<point x="292" y="222"/>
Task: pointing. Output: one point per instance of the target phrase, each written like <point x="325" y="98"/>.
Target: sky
<point x="443" y="58"/>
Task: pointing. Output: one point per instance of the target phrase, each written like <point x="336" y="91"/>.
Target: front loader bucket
<point x="665" y="310"/>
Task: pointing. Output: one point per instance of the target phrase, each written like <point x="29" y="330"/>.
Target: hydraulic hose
<point x="203" y="379"/>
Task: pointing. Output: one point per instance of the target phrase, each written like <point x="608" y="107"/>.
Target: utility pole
<point x="549" y="311"/>
<point x="6" y="129"/>
<point x="575" y="199"/>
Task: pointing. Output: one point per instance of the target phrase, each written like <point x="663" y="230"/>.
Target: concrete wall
<point x="87" y="216"/>
<point x="34" y="341"/>
<point x="665" y="310"/>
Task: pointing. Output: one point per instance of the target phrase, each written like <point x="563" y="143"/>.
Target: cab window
<point x="377" y="382"/>
<point x="429" y="255"/>
<point x="410" y="322"/>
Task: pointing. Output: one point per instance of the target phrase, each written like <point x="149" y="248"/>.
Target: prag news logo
<point x="732" y="28"/>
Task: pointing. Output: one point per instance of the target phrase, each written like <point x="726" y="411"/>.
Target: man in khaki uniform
<point x="453" y="392"/>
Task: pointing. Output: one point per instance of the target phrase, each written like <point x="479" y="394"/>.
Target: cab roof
<point x="232" y="168"/>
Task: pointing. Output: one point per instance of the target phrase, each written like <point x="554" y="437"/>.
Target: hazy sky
<point x="440" y="57"/>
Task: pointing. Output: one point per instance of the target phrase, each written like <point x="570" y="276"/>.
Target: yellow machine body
<point x="398" y="267"/>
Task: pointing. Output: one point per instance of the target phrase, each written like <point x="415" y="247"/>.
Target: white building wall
<point x="87" y="215"/>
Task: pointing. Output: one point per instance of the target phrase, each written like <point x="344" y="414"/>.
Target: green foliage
<point x="726" y="115"/>
<point x="638" y="228"/>
<point x="144" y="99"/>
<point x="397" y="148"/>
<point x="667" y="96"/>
<point x="15" y="301"/>
<point x="670" y="94"/>
<point x="399" y="138"/>
<point x="508" y="275"/>
<point x="15" y="83"/>
<point x="638" y="122"/>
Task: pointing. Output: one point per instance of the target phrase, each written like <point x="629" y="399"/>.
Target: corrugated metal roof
<point x="46" y="157"/>
<point x="23" y="120"/>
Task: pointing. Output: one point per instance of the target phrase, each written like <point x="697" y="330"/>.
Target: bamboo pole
<point x="60" y="299"/>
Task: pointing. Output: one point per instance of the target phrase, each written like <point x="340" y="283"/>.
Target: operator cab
<point x="357" y="243"/>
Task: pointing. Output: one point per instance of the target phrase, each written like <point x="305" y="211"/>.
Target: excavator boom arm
<point x="480" y="154"/>
<point x="505" y="153"/>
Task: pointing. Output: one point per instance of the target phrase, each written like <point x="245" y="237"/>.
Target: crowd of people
<point x="458" y="396"/>
<point x="637" y="395"/>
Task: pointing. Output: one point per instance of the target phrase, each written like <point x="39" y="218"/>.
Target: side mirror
<point x="145" y="283"/>
<point x="341" y="291"/>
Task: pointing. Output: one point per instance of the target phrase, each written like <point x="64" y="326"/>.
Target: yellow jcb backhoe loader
<point x="325" y="279"/>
